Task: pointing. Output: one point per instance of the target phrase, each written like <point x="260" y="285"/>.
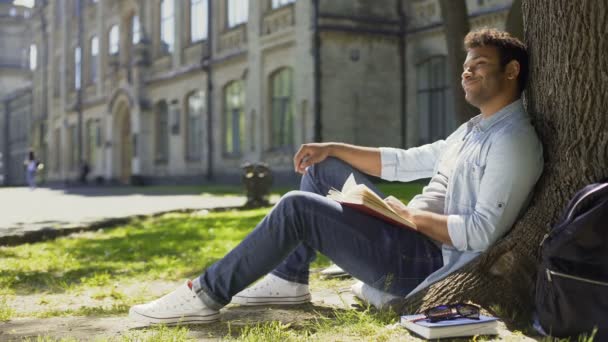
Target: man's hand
<point x="401" y="209"/>
<point x="310" y="154"/>
<point x="430" y="224"/>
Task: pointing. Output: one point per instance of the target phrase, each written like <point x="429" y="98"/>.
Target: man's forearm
<point x="432" y="225"/>
<point x="364" y="159"/>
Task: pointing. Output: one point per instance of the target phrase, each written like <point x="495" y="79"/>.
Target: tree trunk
<point x="567" y="100"/>
<point x="456" y="26"/>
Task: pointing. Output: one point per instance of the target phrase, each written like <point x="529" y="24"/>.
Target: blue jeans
<point x="384" y="256"/>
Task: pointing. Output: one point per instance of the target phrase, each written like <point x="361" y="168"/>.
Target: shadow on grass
<point x="269" y="321"/>
<point x="171" y="247"/>
<point x="167" y="247"/>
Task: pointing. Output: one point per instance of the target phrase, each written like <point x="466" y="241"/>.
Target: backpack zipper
<point x="540" y="245"/>
<point x="551" y="273"/>
<point x="583" y="197"/>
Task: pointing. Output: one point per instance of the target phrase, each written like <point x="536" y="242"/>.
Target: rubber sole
<point x="253" y="301"/>
<point x="186" y="319"/>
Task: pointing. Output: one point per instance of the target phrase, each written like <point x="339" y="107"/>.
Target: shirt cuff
<point x="389" y="160"/>
<point x="457" y="231"/>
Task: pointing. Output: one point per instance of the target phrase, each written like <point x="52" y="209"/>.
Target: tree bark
<point x="567" y="100"/>
<point x="456" y="25"/>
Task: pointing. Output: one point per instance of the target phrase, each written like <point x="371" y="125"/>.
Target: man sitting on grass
<point x="482" y="177"/>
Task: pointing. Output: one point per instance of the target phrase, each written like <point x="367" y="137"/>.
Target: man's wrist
<point x="332" y="149"/>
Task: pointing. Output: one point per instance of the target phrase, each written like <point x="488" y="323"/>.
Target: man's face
<point x="482" y="78"/>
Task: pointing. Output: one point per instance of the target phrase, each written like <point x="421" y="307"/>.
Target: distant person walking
<point x="31" y="166"/>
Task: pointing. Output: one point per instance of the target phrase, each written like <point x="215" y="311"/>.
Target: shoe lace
<point x="175" y="299"/>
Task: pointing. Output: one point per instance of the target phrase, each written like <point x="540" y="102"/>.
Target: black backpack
<point x="572" y="280"/>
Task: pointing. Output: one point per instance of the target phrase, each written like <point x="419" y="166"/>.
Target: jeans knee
<point x="326" y="167"/>
<point x="291" y="200"/>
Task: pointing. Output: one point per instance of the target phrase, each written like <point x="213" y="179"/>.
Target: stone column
<point x="108" y="145"/>
<point x="254" y="102"/>
<point x="179" y="17"/>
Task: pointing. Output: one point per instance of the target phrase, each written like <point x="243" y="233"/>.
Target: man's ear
<point x="512" y="69"/>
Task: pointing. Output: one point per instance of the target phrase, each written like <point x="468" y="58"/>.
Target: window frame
<point x="276" y="4"/>
<point x="135" y="29"/>
<point x="238" y="20"/>
<point x="161" y="133"/>
<point x="204" y="4"/>
<point x="77" y="67"/>
<point x="33" y="57"/>
<point x="194" y="145"/>
<point x="287" y="141"/>
<point x="166" y="22"/>
<point x="93" y="59"/>
<point x="229" y="127"/>
<point x="437" y="92"/>
<point x="114" y="46"/>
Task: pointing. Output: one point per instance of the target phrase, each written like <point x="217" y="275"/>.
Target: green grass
<point x="399" y="190"/>
<point x="169" y="247"/>
<point x="172" y="246"/>
<point x="6" y="312"/>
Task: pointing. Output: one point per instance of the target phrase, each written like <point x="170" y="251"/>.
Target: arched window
<point x="238" y="11"/>
<point x="94" y="59"/>
<point x="77" y="67"/>
<point x="194" y="132"/>
<point x="135" y="29"/>
<point x="280" y="3"/>
<point x="234" y="119"/>
<point x="435" y="117"/>
<point x="162" y="133"/>
<point x="167" y="25"/>
<point x="33" y="57"/>
<point x="198" y="20"/>
<point x="114" y="40"/>
<point x="282" y="109"/>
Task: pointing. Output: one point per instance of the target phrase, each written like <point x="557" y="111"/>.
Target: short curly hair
<point x="509" y="48"/>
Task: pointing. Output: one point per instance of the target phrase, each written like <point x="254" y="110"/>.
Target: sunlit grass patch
<point x="6" y="312"/>
<point x="157" y="334"/>
<point x="334" y="325"/>
<point x="171" y="247"/>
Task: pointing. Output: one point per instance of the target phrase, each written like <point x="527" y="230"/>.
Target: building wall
<point x="15" y="40"/>
<point x="426" y="39"/>
<point x="15" y="91"/>
<point x="360" y="81"/>
<point x="19" y="108"/>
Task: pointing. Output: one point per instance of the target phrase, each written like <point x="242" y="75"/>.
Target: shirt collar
<point x="483" y="124"/>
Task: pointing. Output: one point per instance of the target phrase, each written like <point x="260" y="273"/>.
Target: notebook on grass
<point x="459" y="327"/>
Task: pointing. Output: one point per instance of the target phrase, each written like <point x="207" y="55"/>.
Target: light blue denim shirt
<point x="495" y="163"/>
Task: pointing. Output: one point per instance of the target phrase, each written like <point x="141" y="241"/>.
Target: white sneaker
<point x="334" y="271"/>
<point x="370" y="295"/>
<point x="272" y="290"/>
<point x="180" y="306"/>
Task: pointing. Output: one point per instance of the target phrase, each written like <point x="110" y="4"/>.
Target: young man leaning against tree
<point x="482" y="177"/>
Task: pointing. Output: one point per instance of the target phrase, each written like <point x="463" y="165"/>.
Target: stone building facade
<point x="15" y="90"/>
<point x="187" y="90"/>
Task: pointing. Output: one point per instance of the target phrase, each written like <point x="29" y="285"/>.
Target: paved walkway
<point x="28" y="215"/>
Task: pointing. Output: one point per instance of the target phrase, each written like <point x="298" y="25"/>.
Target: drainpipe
<point x="318" y="127"/>
<point x="207" y="58"/>
<point x="402" y="72"/>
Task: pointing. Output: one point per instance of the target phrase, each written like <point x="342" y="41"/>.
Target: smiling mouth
<point x="468" y="83"/>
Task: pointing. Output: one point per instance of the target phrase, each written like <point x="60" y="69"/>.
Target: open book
<point x="360" y="197"/>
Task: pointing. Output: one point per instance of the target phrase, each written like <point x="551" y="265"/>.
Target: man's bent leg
<point x="390" y="258"/>
<point x="318" y="179"/>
